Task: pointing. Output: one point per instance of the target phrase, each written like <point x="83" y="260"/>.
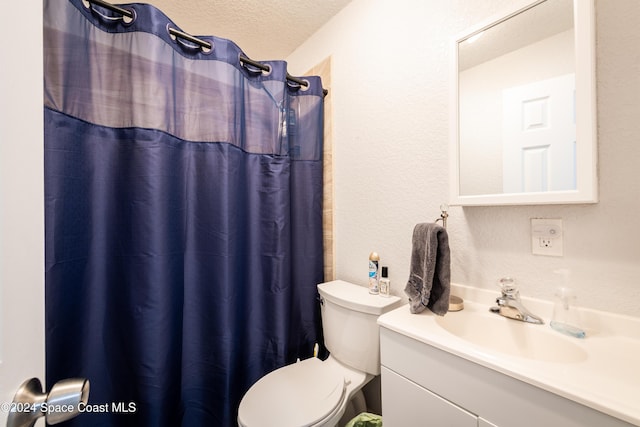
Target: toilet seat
<point x="302" y="394"/>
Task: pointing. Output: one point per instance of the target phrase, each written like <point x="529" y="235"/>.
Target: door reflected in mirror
<point x="524" y="127"/>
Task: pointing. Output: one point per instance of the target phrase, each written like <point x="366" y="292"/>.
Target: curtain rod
<point x="202" y="43"/>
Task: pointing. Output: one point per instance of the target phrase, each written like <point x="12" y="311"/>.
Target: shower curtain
<point x="183" y="217"/>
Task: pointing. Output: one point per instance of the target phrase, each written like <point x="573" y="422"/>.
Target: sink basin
<point x="478" y="326"/>
<point x="600" y="371"/>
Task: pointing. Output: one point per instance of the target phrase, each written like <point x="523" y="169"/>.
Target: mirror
<point x="523" y="108"/>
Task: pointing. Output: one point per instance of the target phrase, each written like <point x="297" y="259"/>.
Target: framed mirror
<point x="523" y="122"/>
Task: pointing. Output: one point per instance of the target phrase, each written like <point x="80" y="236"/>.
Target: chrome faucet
<point x="509" y="304"/>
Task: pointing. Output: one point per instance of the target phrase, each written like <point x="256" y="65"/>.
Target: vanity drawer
<point x="404" y="403"/>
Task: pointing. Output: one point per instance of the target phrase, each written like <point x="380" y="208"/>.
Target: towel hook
<point x="456" y="303"/>
<point x="443" y="214"/>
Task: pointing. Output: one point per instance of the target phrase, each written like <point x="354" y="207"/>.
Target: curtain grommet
<point x="122" y="13"/>
<point x="126" y="20"/>
<point x="254" y="67"/>
<point x="306" y="87"/>
<point x="188" y="42"/>
<point x="207" y="50"/>
<point x="268" y="71"/>
<point x="296" y="85"/>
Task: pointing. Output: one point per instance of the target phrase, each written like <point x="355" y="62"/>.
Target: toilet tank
<point x="349" y="314"/>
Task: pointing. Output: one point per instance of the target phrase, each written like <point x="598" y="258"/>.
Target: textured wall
<point x="390" y="78"/>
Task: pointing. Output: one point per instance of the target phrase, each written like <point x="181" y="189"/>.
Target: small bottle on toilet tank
<point x="385" y="283"/>
<point x="374" y="259"/>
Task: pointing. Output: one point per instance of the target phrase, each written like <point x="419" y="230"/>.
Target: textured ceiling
<point x="264" y="29"/>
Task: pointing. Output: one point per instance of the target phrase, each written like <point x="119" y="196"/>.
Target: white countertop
<point x="607" y="379"/>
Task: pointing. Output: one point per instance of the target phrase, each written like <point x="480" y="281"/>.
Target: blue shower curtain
<point x="183" y="217"/>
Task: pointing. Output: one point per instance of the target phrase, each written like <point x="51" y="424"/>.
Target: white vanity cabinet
<point x="425" y="386"/>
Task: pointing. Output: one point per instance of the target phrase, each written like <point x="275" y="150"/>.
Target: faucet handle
<point x="508" y="286"/>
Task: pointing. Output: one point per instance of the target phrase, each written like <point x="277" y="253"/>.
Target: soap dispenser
<point x="565" y="319"/>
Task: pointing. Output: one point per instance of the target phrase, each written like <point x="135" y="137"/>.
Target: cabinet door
<point x="404" y="403"/>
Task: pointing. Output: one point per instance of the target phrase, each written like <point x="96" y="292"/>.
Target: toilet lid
<point x="300" y="394"/>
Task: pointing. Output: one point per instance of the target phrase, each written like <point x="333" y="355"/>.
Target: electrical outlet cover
<point x="546" y="236"/>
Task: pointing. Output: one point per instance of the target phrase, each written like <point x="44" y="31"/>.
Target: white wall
<point x="390" y="77"/>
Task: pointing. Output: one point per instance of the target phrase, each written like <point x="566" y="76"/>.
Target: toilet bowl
<point x="307" y="393"/>
<point x="315" y="392"/>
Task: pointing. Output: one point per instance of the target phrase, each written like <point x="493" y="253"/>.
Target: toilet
<point x="320" y="393"/>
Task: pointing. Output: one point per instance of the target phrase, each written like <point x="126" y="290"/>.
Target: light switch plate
<point x="546" y="236"/>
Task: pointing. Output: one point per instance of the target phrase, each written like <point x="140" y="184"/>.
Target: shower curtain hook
<point x="113" y="8"/>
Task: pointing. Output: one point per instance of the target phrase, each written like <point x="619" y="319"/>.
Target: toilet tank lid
<point x="356" y="297"/>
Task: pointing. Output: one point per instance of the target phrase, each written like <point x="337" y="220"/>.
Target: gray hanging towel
<point x="430" y="276"/>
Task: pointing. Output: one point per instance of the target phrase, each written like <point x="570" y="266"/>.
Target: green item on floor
<point x="365" y="419"/>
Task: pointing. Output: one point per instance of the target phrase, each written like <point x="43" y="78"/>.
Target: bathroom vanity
<point x="476" y="368"/>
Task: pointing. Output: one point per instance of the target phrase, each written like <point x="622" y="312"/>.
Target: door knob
<point x="63" y="402"/>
